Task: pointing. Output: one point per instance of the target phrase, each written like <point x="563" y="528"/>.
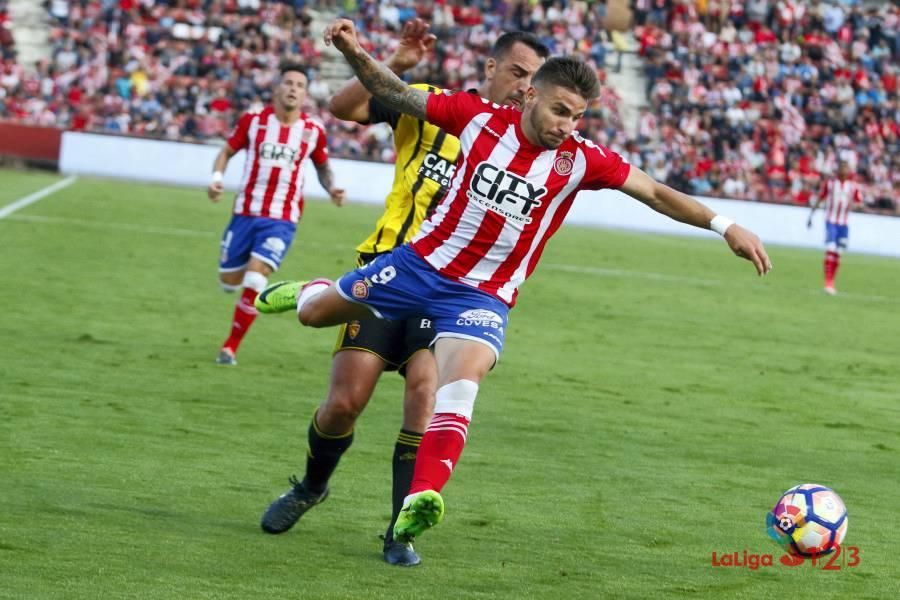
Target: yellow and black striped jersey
<point x="426" y="160"/>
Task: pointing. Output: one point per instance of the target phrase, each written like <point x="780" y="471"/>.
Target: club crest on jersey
<point x="564" y="163"/>
<point x="353" y="327"/>
<point x="359" y="289"/>
<point x="505" y="193"/>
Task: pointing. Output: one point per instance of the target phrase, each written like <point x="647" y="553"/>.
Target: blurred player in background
<point x="839" y="194"/>
<point x="516" y="179"/>
<point x="270" y="199"/>
<point x="426" y="160"/>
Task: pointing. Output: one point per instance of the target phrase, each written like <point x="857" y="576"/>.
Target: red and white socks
<point x="831" y="264"/>
<point x="445" y="436"/>
<point x="244" y="310"/>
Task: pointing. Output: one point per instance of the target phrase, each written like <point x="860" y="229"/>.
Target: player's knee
<point x="313" y="314"/>
<point x="344" y="405"/>
<point x="457" y="397"/>
<point x="419" y="402"/>
<point x="254" y="280"/>
<point x="230" y="281"/>
<point x="309" y="316"/>
<point x="421" y="393"/>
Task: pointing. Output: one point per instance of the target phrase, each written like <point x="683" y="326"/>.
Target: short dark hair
<point x="288" y="66"/>
<point x="569" y="73"/>
<point x="506" y="41"/>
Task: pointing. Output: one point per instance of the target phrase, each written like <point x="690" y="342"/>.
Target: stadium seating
<point x="754" y="103"/>
<point x="7" y="43"/>
<point x="758" y="102"/>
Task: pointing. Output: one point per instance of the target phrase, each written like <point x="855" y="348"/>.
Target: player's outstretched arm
<point x="381" y="82"/>
<point x="351" y="102"/>
<point x="681" y="207"/>
<point x="326" y="179"/>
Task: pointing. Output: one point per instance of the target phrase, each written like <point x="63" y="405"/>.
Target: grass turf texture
<point x="653" y="401"/>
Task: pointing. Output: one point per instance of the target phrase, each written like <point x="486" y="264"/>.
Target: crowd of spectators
<point x="466" y="31"/>
<point x="761" y="99"/>
<point x="178" y="69"/>
<point x="750" y="99"/>
<point x="6" y="38"/>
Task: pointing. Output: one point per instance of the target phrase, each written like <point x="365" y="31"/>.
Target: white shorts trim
<point x="234" y="269"/>
<point x="463" y="336"/>
<point x="264" y="259"/>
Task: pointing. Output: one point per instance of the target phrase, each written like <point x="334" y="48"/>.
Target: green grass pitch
<point x="654" y="399"/>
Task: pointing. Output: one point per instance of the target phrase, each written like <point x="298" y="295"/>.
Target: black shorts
<point x="393" y="341"/>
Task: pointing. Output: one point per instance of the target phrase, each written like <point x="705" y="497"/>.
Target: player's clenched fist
<point x="342" y="34"/>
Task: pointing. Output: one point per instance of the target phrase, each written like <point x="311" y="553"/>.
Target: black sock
<point x="403" y="465"/>
<point x="323" y="455"/>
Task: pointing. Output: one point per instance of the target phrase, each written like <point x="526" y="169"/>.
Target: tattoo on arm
<point x="326" y="176"/>
<point x="389" y="89"/>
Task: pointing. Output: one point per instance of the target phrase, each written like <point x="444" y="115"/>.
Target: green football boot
<point x="279" y="297"/>
<point x="423" y="510"/>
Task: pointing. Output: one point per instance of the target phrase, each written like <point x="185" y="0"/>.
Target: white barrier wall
<point x="191" y="164"/>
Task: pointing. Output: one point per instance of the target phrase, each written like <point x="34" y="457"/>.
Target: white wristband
<point x="720" y="224"/>
<point x="218" y="176"/>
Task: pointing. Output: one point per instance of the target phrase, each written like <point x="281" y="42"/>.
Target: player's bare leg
<point x="326" y="307"/>
<point x="317" y="302"/>
<point x="833" y="252"/>
<point x="354" y="374"/>
<point x="461" y="365"/>
<point x="251" y="280"/>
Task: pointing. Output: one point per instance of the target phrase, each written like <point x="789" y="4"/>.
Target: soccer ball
<point x="808" y="520"/>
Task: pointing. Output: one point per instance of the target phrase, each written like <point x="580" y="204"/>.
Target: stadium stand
<point x="761" y="100"/>
<point x="7" y="42"/>
<point x="752" y="100"/>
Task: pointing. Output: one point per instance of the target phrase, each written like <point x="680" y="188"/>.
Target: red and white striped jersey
<point x="508" y="196"/>
<point x="272" y="183"/>
<point x="839" y="197"/>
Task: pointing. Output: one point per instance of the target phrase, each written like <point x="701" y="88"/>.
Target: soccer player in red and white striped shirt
<point x="269" y="201"/>
<point x="516" y="178"/>
<point x="839" y="194"/>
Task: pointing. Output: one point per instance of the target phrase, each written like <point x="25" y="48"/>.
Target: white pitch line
<point x="32" y="198"/>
